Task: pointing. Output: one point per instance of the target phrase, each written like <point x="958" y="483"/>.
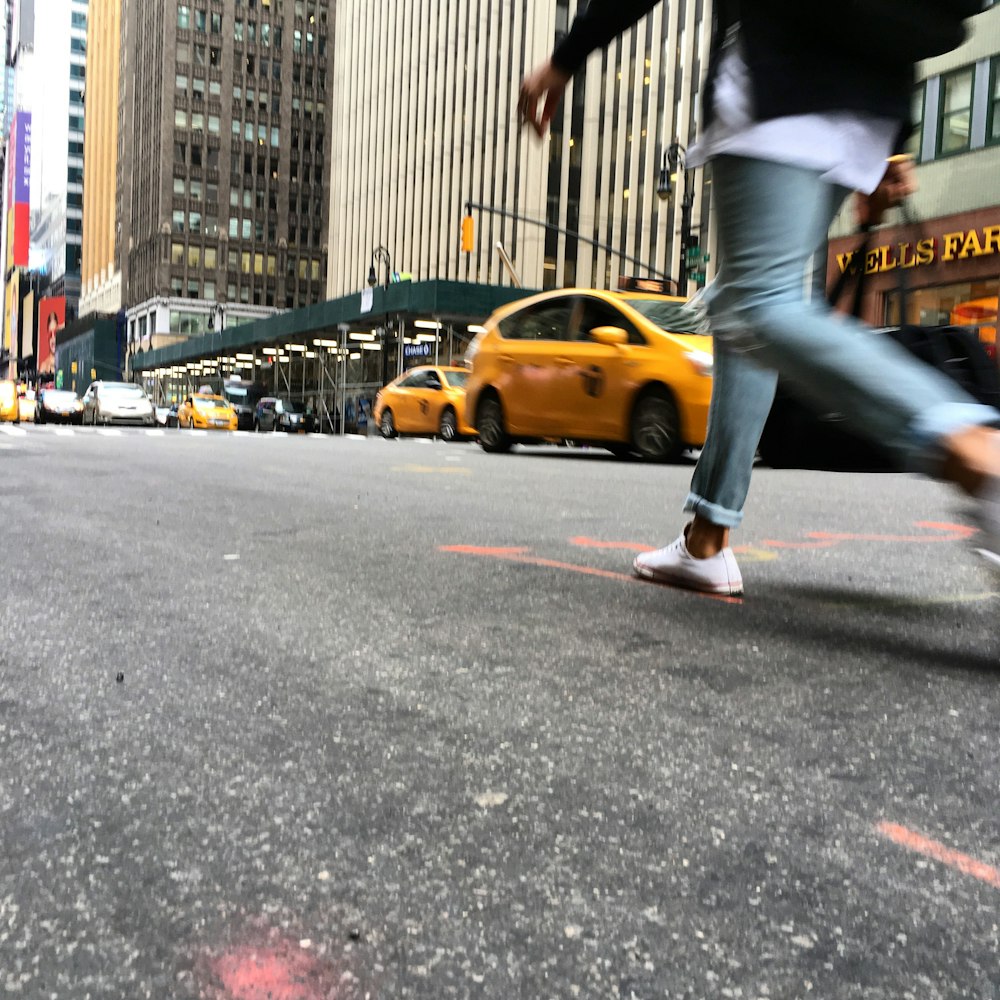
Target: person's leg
<point x="742" y="394"/>
<point x="833" y="362"/>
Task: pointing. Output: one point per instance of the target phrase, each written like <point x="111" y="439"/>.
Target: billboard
<point x="51" y="319"/>
<point x="12" y="301"/>
<point x="19" y="191"/>
<point x="27" y="326"/>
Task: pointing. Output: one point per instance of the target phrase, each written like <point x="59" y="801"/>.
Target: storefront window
<point x="956" y="111"/>
<point x="967" y="304"/>
<point x="917" y="116"/>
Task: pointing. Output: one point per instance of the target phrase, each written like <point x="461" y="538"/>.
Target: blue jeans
<point x="772" y="220"/>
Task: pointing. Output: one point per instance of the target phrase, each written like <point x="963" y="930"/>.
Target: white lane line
<point x="110" y="432"/>
<point x="64" y="432"/>
<point x="14" y="432"/>
<point x="153" y="433"/>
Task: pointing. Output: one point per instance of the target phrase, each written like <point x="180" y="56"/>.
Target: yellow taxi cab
<point x="208" y="411"/>
<point x="425" y="400"/>
<point x="628" y="371"/>
<point x="10" y="406"/>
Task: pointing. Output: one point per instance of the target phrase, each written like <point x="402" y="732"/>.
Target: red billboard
<point x="51" y="319"/>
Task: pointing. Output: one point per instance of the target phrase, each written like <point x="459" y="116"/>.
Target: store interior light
<point x="363" y="336"/>
<point x="354" y="357"/>
<point x="426" y="324"/>
<point x="371" y="347"/>
<point x="296" y="347"/>
<point x="476" y="329"/>
<point x="426" y="338"/>
<point x="244" y="357"/>
<point x="269" y="350"/>
<point x="310" y="354"/>
<point x="325" y="343"/>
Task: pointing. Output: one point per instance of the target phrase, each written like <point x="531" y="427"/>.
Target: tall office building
<point x="426" y="121"/>
<point x="100" y="278"/>
<point x="224" y="141"/>
<point x="57" y="222"/>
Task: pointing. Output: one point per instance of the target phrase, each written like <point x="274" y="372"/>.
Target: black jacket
<point x="804" y="56"/>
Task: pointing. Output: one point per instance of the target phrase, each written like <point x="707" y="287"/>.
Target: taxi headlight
<point x="702" y="362"/>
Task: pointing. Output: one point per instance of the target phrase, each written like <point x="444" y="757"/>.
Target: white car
<point x="117" y="403"/>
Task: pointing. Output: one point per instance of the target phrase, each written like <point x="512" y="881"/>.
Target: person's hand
<point x="546" y="81"/>
<point x="898" y="183"/>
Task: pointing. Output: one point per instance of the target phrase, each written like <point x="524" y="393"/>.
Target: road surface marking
<point x="64" y="432"/>
<point x="920" y="844"/>
<point x="13" y="431"/>
<point x="109" y="432"/>
<point x="945" y="532"/>
<point x="443" y="470"/>
<point x="520" y="555"/>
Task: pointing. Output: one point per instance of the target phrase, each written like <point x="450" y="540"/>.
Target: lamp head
<point x="372" y="277"/>
<point x="664" y="187"/>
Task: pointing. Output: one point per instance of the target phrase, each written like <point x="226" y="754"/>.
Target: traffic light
<point x="467" y="234"/>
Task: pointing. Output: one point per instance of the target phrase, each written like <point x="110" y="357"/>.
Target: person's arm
<point x="593" y="28"/>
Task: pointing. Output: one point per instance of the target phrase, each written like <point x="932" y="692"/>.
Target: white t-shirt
<point x="850" y="148"/>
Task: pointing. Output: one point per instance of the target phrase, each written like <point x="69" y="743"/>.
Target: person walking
<point x="802" y="104"/>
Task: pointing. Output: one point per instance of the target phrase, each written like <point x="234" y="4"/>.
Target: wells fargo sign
<point x="950" y="247"/>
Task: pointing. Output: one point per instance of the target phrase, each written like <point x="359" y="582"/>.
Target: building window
<point x="917" y="117"/>
<point x="993" y="113"/>
<point x="177" y="253"/>
<point x="199" y="21"/>
<point x="180" y="119"/>
<point x="181" y="81"/>
<point x="955" y="124"/>
<point x="194" y="258"/>
<point x="183" y="16"/>
<point x="210" y="258"/>
<point x="216" y="23"/>
<point x="178" y="222"/>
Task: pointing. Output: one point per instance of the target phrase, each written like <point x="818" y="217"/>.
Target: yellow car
<point x="425" y="400"/>
<point x="628" y="371"/>
<point x="10" y="408"/>
<point x="207" y="411"/>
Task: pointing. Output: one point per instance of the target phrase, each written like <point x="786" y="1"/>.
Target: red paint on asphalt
<point x="827" y="539"/>
<point x="519" y="556"/>
<point x="920" y="844"/>
<point x="282" y="971"/>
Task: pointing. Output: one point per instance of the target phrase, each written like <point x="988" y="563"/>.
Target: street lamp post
<point x="381" y="255"/>
<point x="674" y="164"/>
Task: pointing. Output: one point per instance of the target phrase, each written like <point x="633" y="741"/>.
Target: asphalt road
<point x="394" y="721"/>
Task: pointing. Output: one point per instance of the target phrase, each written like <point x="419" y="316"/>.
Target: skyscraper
<point x="224" y="142"/>
<point x="57" y="220"/>
<point x="426" y="121"/>
<point x="100" y="277"/>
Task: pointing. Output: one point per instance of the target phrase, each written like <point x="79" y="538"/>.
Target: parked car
<point x="425" y="400"/>
<point x="27" y="401"/>
<point x="243" y="396"/>
<point x="117" y="403"/>
<point x="274" y="414"/>
<point x="628" y="371"/>
<point x="10" y="410"/>
<point x="206" y="411"/>
<point x="58" y="406"/>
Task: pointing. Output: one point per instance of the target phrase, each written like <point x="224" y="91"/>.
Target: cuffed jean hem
<point x="712" y="512"/>
<point x="937" y="423"/>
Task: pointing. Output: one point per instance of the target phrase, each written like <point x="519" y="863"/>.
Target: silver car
<point x="117" y="403"/>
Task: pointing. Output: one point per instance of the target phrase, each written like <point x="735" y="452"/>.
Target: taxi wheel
<point x="387" y="425"/>
<point x="449" y="425"/>
<point x="493" y="435"/>
<point x="656" y="427"/>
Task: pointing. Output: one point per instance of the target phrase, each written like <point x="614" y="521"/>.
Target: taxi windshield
<point x="457" y="379"/>
<point x="209" y="402"/>
<point x="672" y="316"/>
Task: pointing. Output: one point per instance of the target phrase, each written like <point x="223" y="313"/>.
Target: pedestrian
<point x="802" y="103"/>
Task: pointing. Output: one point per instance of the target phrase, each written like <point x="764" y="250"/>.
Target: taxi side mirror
<point x="610" y="336"/>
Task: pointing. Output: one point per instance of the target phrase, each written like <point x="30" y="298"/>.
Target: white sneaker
<point x="673" y="564"/>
